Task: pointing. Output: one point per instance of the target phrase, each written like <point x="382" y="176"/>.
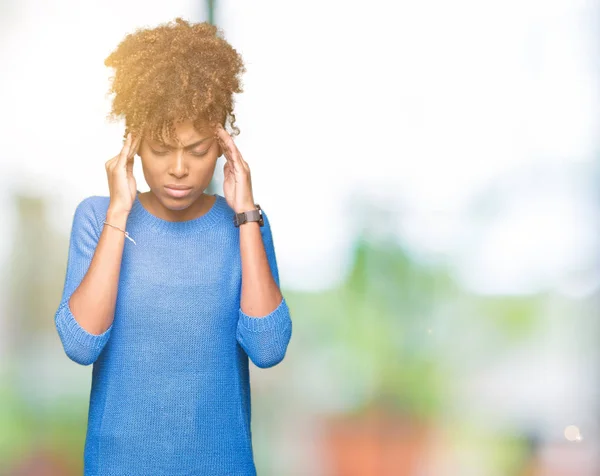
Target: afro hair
<point x="176" y="71"/>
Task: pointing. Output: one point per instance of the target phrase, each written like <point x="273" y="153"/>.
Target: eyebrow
<point x="187" y="147"/>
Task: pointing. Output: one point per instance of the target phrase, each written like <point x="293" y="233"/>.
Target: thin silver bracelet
<point x="126" y="234"/>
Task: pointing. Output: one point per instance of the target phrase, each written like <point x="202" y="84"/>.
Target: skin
<point x="179" y="162"/>
<point x="191" y="160"/>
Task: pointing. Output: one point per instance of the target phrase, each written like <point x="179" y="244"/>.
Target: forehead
<point x="185" y="133"/>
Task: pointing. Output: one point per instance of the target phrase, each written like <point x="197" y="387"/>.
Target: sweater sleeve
<point x="80" y="345"/>
<point x="265" y="339"/>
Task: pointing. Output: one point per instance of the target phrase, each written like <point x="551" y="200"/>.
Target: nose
<point x="178" y="167"/>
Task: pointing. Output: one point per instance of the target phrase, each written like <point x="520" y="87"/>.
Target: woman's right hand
<point x="121" y="181"/>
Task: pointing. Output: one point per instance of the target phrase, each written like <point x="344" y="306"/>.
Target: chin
<point x="173" y="203"/>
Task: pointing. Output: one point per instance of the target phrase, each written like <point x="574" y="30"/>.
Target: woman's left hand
<point x="237" y="184"/>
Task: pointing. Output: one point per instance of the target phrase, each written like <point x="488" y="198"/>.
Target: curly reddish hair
<point x="173" y="72"/>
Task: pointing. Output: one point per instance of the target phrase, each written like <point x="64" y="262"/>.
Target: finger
<point x="111" y="162"/>
<point x="233" y="158"/>
<point x="124" y="151"/>
<point x="126" y="142"/>
<point x="227" y="155"/>
<point x="219" y="148"/>
<point x="244" y="164"/>
<point x="227" y="170"/>
<point x="227" y="144"/>
<point x="135" y="146"/>
<point x="129" y="165"/>
<point x="131" y="157"/>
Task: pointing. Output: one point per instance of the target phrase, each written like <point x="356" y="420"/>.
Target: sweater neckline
<point x="203" y="222"/>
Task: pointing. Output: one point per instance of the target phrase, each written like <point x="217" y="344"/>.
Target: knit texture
<point x="170" y="392"/>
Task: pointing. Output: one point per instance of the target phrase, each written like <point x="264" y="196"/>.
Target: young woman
<point x="171" y="292"/>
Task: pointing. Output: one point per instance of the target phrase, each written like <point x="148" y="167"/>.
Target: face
<point x="189" y="161"/>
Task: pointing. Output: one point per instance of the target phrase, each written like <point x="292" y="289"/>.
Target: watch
<point x="251" y="215"/>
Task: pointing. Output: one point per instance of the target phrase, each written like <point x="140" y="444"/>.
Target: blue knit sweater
<point x="170" y="388"/>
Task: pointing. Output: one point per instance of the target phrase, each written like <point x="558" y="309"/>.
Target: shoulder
<point x="91" y="209"/>
<point x="96" y="204"/>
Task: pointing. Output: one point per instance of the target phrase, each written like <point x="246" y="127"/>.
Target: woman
<point x="166" y="293"/>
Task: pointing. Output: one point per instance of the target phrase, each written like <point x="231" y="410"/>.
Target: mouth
<point x="178" y="191"/>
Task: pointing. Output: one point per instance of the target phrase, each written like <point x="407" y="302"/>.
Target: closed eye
<point x="196" y="154"/>
<point x="159" y="153"/>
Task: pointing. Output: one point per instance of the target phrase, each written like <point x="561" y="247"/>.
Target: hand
<point x="121" y="181"/>
<point x="237" y="184"/>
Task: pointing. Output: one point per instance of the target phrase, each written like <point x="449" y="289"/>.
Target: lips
<point x="179" y="192"/>
<point x="178" y="187"/>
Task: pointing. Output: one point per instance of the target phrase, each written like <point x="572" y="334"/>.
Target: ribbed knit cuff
<point x="278" y="319"/>
<point x="72" y="330"/>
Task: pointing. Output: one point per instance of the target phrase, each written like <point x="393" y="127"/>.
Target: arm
<point x="85" y="314"/>
<point x="264" y="327"/>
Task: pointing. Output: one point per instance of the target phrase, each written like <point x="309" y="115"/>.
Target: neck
<point x="196" y="209"/>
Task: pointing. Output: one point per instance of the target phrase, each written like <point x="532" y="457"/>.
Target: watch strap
<point x="250" y="215"/>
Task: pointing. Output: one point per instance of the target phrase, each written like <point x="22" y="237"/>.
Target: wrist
<point x="116" y="216"/>
<point x="245" y="208"/>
